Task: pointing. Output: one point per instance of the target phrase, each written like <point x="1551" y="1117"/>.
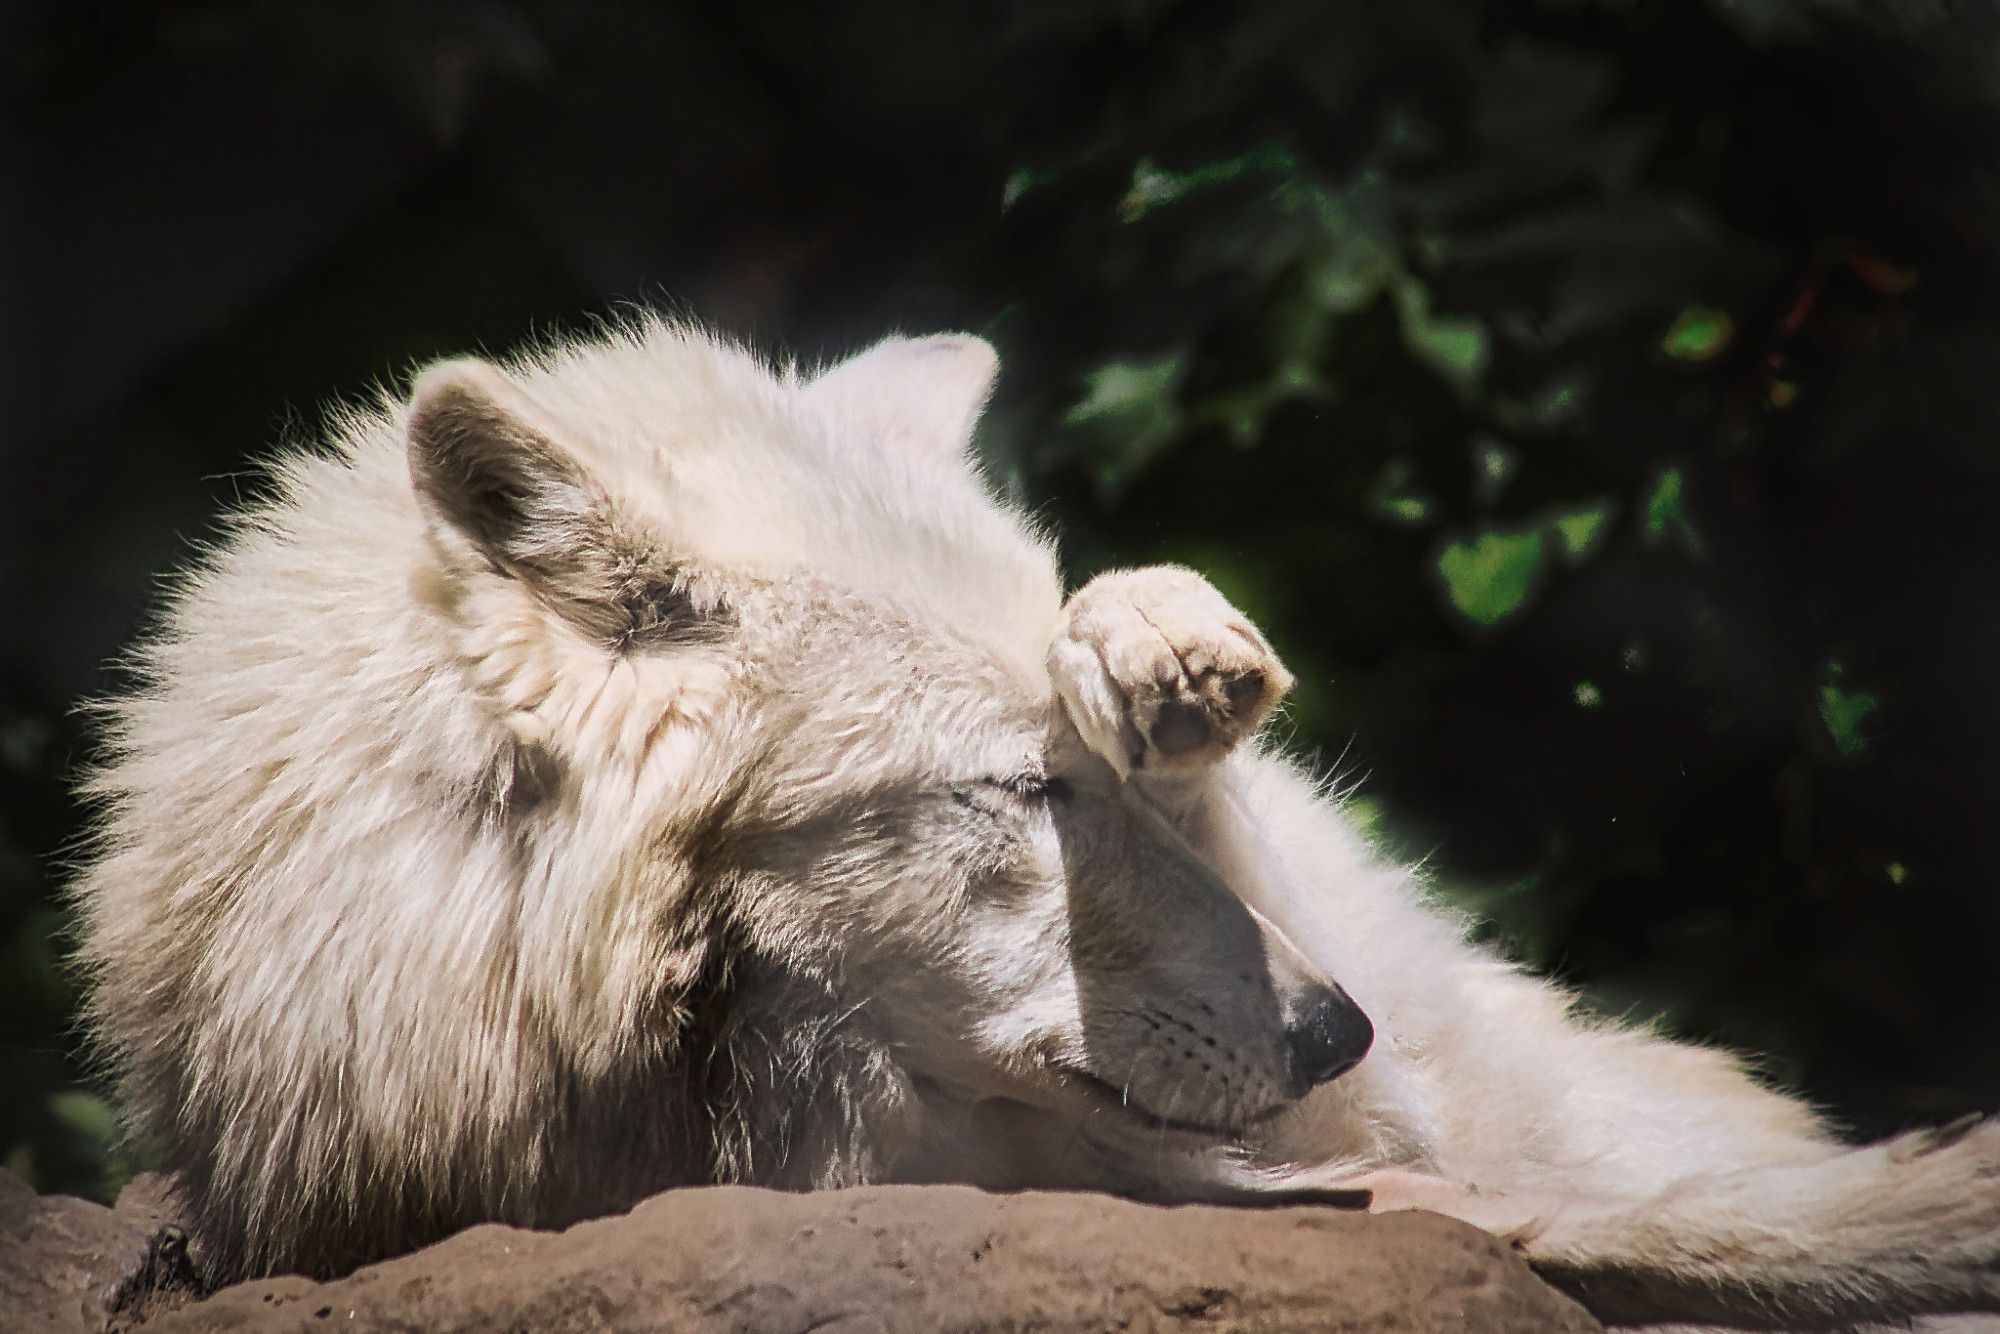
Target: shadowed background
<point x="1596" y="400"/>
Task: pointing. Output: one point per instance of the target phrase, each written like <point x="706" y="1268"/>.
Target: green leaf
<point x="1494" y="463"/>
<point x="1578" y="529"/>
<point x="1560" y="404"/>
<point x="1243" y="410"/>
<point x="1019" y="182"/>
<point x="1699" y="333"/>
<point x="1150" y="188"/>
<point x="1153" y="185"/>
<point x="20" y="1160"/>
<point x="1125" y="389"/>
<point x="1489" y="578"/>
<point x="86" y="1116"/>
<point x="1667" y="520"/>
<point x="1845" y="713"/>
<point x="1452" y="345"/>
<point x="1133" y="410"/>
<point x="1357" y="254"/>
<point x="1407" y="510"/>
<point x="1364" y="814"/>
<point x="1396" y="499"/>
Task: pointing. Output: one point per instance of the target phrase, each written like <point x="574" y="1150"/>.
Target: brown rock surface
<point x="928" y="1258"/>
<point x="69" y="1265"/>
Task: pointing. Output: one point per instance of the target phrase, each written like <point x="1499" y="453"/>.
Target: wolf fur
<point x="636" y="766"/>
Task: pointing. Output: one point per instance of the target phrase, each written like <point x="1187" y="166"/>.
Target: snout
<point x="1327" y="1035"/>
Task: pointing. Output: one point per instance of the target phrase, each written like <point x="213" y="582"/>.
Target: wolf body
<point x="637" y="766"/>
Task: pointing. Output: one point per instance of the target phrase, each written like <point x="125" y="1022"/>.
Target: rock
<point x="69" y="1265"/>
<point x="929" y="1257"/>
<point x="148" y="1200"/>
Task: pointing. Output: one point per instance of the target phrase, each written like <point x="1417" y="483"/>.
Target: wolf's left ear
<point x="925" y="393"/>
<point x="500" y="486"/>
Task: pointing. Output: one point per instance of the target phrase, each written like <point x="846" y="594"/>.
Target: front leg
<point x="1160" y="675"/>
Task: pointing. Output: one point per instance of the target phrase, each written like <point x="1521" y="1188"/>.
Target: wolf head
<point x="779" y="656"/>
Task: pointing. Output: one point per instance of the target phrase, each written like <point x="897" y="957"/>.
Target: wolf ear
<point x="925" y="393"/>
<point x="488" y="469"/>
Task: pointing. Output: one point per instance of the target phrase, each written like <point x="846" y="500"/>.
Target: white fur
<point x="634" y="767"/>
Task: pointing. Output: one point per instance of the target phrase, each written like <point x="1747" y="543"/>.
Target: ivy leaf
<point x="1454" y="346"/>
<point x="1845" y="712"/>
<point x="1154" y="185"/>
<point x="1396" y="499"/>
<point x="1699" y="333"/>
<point x="1666" y="517"/>
<point x="1133" y="409"/>
<point x="1578" y="529"/>
<point x="1489" y="578"/>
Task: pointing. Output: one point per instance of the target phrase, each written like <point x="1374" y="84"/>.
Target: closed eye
<point x="1027" y="789"/>
<point x="1033" y="787"/>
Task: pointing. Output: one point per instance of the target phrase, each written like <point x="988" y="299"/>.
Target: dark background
<point x="1596" y="399"/>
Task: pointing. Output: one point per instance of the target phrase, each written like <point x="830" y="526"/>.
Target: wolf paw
<point x="1160" y="673"/>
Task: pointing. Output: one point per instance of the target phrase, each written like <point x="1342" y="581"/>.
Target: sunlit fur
<point x="618" y="769"/>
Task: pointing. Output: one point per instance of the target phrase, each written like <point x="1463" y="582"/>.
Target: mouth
<point x="1102" y="1092"/>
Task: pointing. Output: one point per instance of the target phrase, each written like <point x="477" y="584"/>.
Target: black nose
<point x="1328" y="1036"/>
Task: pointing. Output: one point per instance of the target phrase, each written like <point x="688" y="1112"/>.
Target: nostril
<point x="1328" y="1036"/>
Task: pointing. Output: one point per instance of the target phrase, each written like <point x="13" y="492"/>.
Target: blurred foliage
<point x="1595" y="399"/>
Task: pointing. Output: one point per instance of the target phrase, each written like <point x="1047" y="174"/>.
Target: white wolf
<point x="635" y="766"/>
